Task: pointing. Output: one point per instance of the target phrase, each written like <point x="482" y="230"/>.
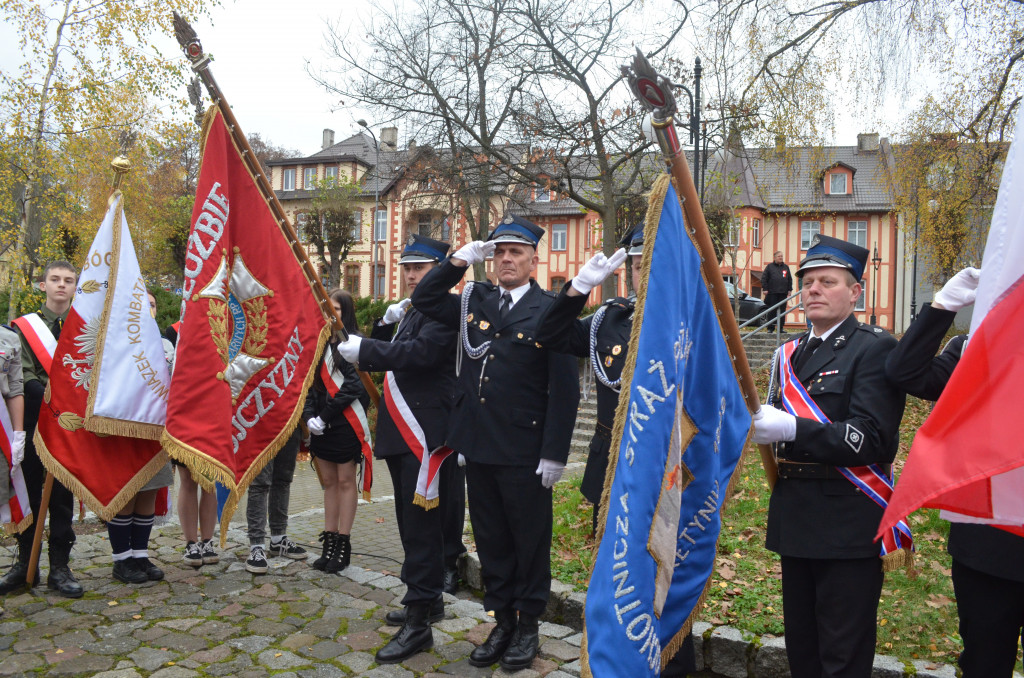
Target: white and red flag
<point x="251" y="328"/>
<point x="967" y="457"/>
<point x="15" y="512"/>
<point x="108" y="375"/>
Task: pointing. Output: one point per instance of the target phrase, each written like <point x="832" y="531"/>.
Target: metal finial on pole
<point x="121" y="164"/>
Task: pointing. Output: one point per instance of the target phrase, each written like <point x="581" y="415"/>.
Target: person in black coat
<point x="819" y="522"/>
<point x="988" y="563"/>
<point x="418" y="355"/>
<point x="335" y="413"/>
<point x="777" y="283"/>
<point x="514" y="411"/>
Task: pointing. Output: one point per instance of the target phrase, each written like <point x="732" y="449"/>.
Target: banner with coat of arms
<point x="251" y="328"/>
<point x="109" y="320"/>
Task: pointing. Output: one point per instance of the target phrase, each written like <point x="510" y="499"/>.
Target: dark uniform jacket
<point x="560" y="331"/>
<point x="517" y="403"/>
<point x="332" y="409"/>
<point x="827" y="516"/>
<point x="914" y="367"/>
<point x="422" y="358"/>
<point x="776" y="279"/>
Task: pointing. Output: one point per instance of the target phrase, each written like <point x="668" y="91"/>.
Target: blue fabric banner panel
<point x="677" y="441"/>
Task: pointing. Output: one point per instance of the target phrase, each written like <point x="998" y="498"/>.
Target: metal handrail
<point x="760" y="317"/>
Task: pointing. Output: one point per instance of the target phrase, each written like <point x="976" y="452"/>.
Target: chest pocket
<point x="5" y="362"/>
<point x="831" y="384"/>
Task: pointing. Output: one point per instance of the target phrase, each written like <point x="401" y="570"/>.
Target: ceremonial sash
<point x="897" y="542"/>
<point x="354" y="414"/>
<point x="427" y="481"/>
<point x="15" y="513"/>
<point x="40" y="338"/>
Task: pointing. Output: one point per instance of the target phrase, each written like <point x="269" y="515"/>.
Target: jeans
<point x="269" y="494"/>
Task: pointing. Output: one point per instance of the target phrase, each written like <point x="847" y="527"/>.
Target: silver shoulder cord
<point x="770" y="401"/>
<point x="598" y="368"/>
<point x="474" y="352"/>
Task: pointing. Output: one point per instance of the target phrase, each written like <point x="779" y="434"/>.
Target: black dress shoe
<point x="497" y="641"/>
<point x="451" y="581"/>
<point x="414" y="636"/>
<point x="523" y="648"/>
<point x="435" y="614"/>
<point x="153" y="573"/>
<point x="126" y="571"/>
<point x="63" y="582"/>
<point x="16" y="578"/>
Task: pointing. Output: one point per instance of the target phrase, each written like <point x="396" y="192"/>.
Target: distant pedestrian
<point x="777" y="283"/>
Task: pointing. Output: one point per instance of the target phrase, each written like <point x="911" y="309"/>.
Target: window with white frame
<point x="808" y="229"/>
<point x="755" y="232"/>
<point x="301" y="224"/>
<point x="857" y="232"/>
<point x="446" y="230"/>
<point x="308" y="178"/>
<point x="357" y="225"/>
<point x="425" y="224"/>
<point x="837" y="183"/>
<point x="543" y="194"/>
<point x="378" y="281"/>
<point x="380" y="226"/>
<point x="559" y="237"/>
<point x="288" y="180"/>
<point x="863" y="295"/>
<point x="331" y="175"/>
<point x="733" y="236"/>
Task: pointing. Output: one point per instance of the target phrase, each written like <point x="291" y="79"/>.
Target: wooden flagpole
<point x="193" y="49"/>
<point x="655" y="93"/>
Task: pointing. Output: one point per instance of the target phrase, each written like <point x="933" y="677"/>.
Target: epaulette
<point x="873" y="330"/>
<point x="621" y="302"/>
<point x="549" y="293"/>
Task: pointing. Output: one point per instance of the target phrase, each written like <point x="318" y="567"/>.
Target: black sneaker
<point x="126" y="571"/>
<point x="286" y="548"/>
<point x="257" y="561"/>
<point x="209" y="555"/>
<point x="193" y="554"/>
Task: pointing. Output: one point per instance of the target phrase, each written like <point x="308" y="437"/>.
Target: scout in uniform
<point x="837" y="438"/>
<point x="513" y="416"/>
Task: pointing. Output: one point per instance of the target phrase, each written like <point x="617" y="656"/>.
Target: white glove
<point x="550" y="472"/>
<point x="396" y="311"/>
<point x="772" y="425"/>
<point x="475" y="252"/>
<point x="349" y="349"/>
<point x="316" y="426"/>
<point x="597" y="269"/>
<point x="462" y="460"/>
<point x="960" y="291"/>
<point x="18" y="448"/>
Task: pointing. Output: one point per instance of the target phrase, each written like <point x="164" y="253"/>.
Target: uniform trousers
<point x="991" y="613"/>
<point x="830" y="608"/>
<point x="270" y="494"/>
<point x="419" y="530"/>
<point x="511" y="514"/>
<point x="61" y="510"/>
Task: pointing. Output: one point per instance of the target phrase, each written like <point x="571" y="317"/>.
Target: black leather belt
<point x="603" y="431"/>
<point x="792" y="469"/>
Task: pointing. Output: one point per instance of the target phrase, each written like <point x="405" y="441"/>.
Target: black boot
<point x="497" y="641"/>
<point x="523" y="648"/>
<point x="329" y="540"/>
<point x="415" y="636"/>
<point x="451" y="580"/>
<point x="17" y="576"/>
<point x="153" y="573"/>
<point x="127" y="572"/>
<point x="340" y="555"/>
<point x="434" y="614"/>
<point x="61" y="578"/>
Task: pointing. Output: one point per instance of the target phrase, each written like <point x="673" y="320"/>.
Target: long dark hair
<point x="348" y="309"/>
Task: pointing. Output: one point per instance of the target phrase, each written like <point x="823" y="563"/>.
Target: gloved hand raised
<point x="960" y="291"/>
<point x="597" y="269"/>
<point x="349" y="349"/>
<point x="396" y="311"/>
<point x="316" y="426"/>
<point x="772" y="425"/>
<point x="475" y="252"/>
<point x="550" y="472"/>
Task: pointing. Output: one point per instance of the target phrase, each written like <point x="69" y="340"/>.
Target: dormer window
<point x="543" y="194"/>
<point x="837" y="183"/>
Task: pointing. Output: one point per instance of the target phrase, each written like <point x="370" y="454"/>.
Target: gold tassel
<point x="897" y="560"/>
<point x="121" y="427"/>
<point x="427" y="504"/>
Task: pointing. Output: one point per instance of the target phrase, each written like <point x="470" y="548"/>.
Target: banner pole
<point x="193" y="49"/>
<point x="37" y="536"/>
<point x="655" y="94"/>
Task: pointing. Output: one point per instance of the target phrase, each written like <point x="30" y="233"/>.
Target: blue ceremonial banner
<point x="678" y="437"/>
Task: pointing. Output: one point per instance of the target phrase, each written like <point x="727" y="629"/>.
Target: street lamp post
<point x="876" y="262"/>
<point x="376" y="207"/>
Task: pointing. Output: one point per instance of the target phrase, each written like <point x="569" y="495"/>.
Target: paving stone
<point x="251" y="644"/>
<point x="464" y="668"/>
<point x="215" y="654"/>
<point x="887" y="667"/>
<point x="575" y="640"/>
<point x="927" y="669"/>
<point x="299" y="640"/>
<point x="118" y="646"/>
<point x="60" y="654"/>
<point x="363" y="640"/>
<point x="456" y="625"/>
<point x="524" y="673"/>
<point x="277" y="660"/>
<point x="215" y="630"/>
<point x="119" y="673"/>
<point x="184" y="642"/>
<point x="357" y="661"/>
<point x="559" y="650"/>
<point x="33" y="645"/>
<point x="174" y="672"/>
<point x="555" y="630"/>
<point x="179" y="624"/>
<point x="387" y="582"/>
<point x="478" y="634"/>
<point x="230" y="668"/>
<point x="771" y="660"/>
<point x="325" y="649"/>
<point x="119" y="629"/>
<point x="421" y="661"/>
<point x="321" y="671"/>
<point x="150" y="658"/>
<point x="572" y="668"/>
<point x="87" y="664"/>
<point x="727" y="652"/>
<point x="10" y="628"/>
<point x="389" y="671"/>
<point x="20" y="663"/>
<point x="322" y="628"/>
<point x="227" y="587"/>
<point x="266" y="627"/>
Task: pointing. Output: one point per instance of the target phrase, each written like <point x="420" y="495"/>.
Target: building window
<point x="308" y="178"/>
<point x="837" y="183"/>
<point x="378" y="281"/>
<point x="860" y="299"/>
<point x="288" y="180"/>
<point x="301" y="224"/>
<point x="352" y="278"/>
<point x="559" y="235"/>
<point x="446" y="230"/>
<point x="755" y="233"/>
<point x="808" y="229"/>
<point x="330" y="175"/>
<point x="357" y="225"/>
<point x="543" y="194"/>
<point x="380" y="226"/>
<point x="425" y="224"/>
<point x="733" y="236"/>
<point x="857" y="233"/>
<point x="557" y="283"/>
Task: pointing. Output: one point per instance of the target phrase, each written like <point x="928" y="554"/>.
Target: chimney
<point x="412" y="144"/>
<point x="780" y="143"/>
<point x="328" y="139"/>
<point x="867" y="142"/>
<point x="389" y="138"/>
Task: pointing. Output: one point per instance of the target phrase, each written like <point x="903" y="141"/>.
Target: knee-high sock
<point x="119" y="529"/>
<point x="142" y="526"/>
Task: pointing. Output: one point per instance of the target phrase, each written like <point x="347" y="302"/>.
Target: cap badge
<point x="411" y="240"/>
<point x="508" y="219"/>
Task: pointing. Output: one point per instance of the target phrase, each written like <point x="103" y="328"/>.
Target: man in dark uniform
<point x="515" y="407"/>
<point x="418" y="355"/>
<point x="39" y="333"/>
<point x="777" y="283"/>
<point x="988" y="563"/>
<point x="819" y="521"/>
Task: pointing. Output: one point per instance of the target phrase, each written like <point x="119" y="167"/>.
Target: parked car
<point x="749" y="306"/>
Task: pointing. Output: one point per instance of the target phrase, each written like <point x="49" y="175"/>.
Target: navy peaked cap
<point x="421" y="249"/>
<point x="828" y="251"/>
<point x="517" y="229"/>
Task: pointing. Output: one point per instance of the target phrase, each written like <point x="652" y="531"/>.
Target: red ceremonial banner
<point x="251" y="328"/>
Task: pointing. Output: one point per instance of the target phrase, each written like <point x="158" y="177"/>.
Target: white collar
<point x="827" y="332"/>
<point x="516" y="293"/>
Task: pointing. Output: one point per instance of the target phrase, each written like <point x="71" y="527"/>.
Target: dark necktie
<point x="805" y="355"/>
<point x="57" y="325"/>
<point x="506" y="304"/>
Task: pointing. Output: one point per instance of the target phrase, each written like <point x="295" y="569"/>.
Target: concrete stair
<point x="760" y="347"/>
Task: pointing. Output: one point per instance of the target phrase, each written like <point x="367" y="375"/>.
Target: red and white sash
<point x="871" y="479"/>
<point x="428" y="480"/>
<point x="354" y="414"/>
<point x="15" y="513"/>
<point x="39" y="336"/>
